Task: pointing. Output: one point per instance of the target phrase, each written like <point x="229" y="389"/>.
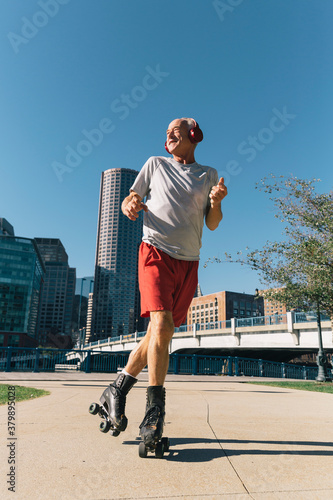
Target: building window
<point x="13" y="340"/>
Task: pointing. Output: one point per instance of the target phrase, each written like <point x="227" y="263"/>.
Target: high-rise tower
<point x="21" y="276"/>
<point x="115" y="300"/>
<point x="56" y="306"/>
<point x="6" y="228"/>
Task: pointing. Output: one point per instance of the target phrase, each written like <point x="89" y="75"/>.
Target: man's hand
<point x="214" y="213"/>
<point x="132" y="205"/>
<point x="218" y="193"/>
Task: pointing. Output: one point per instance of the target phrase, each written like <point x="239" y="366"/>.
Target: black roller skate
<point x="151" y="428"/>
<point x="112" y="408"/>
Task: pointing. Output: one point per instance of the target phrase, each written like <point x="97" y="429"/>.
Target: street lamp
<point x="321" y="358"/>
<point x="256" y="298"/>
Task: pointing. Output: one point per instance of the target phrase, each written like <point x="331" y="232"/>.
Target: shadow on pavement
<point x="203" y="454"/>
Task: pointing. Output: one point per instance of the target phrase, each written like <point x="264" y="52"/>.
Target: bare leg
<point x="161" y="332"/>
<point x="153" y="348"/>
<point x="138" y="358"/>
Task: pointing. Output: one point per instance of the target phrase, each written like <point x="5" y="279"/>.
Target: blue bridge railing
<point x="273" y="319"/>
<point x="304" y="317"/>
<point x="52" y="360"/>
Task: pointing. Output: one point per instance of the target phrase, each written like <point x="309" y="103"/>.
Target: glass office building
<point x="6" y="228"/>
<point x="116" y="296"/>
<point x="21" y="276"/>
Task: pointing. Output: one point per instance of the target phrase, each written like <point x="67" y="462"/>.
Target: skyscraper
<point x="89" y="318"/>
<point x="6" y="228"/>
<point x="21" y="275"/>
<point x="55" y="312"/>
<point x="115" y="300"/>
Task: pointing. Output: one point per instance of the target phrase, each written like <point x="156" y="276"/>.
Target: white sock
<point x="126" y="373"/>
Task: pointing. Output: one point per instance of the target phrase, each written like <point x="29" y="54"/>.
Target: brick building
<point x="273" y="307"/>
<point x="222" y="306"/>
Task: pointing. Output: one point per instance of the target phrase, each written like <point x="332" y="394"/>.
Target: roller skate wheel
<point x="114" y="432"/>
<point x="94" y="409"/>
<point x="142" y="450"/>
<point x="159" y="450"/>
<point x="104" y="426"/>
<point x="166" y="443"/>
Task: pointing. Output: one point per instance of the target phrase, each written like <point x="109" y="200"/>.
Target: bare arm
<point x="214" y="213"/>
<point x="132" y="204"/>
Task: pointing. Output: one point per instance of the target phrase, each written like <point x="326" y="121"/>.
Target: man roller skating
<point x="180" y="194"/>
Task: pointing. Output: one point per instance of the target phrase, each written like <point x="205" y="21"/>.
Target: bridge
<point x="276" y="337"/>
<point x="251" y="346"/>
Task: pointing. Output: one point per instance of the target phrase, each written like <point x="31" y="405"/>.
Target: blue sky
<point x="256" y="74"/>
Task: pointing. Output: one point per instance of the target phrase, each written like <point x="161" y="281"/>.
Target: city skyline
<point x="88" y="87"/>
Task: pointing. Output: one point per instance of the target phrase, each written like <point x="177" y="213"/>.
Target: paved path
<point x="229" y="440"/>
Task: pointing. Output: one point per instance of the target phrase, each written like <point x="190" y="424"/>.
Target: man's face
<point x="177" y="137"/>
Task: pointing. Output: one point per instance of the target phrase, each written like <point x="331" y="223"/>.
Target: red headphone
<point x="195" y="135"/>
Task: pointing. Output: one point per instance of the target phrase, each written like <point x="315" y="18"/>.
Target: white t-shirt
<point x="177" y="200"/>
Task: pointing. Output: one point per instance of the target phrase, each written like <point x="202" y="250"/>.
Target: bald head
<point x="178" y="140"/>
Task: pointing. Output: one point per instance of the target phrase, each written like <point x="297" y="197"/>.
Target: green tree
<point x="299" y="270"/>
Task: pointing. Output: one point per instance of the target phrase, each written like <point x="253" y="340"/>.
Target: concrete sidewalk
<point x="229" y="440"/>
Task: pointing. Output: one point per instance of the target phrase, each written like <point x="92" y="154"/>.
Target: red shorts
<point x="166" y="284"/>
